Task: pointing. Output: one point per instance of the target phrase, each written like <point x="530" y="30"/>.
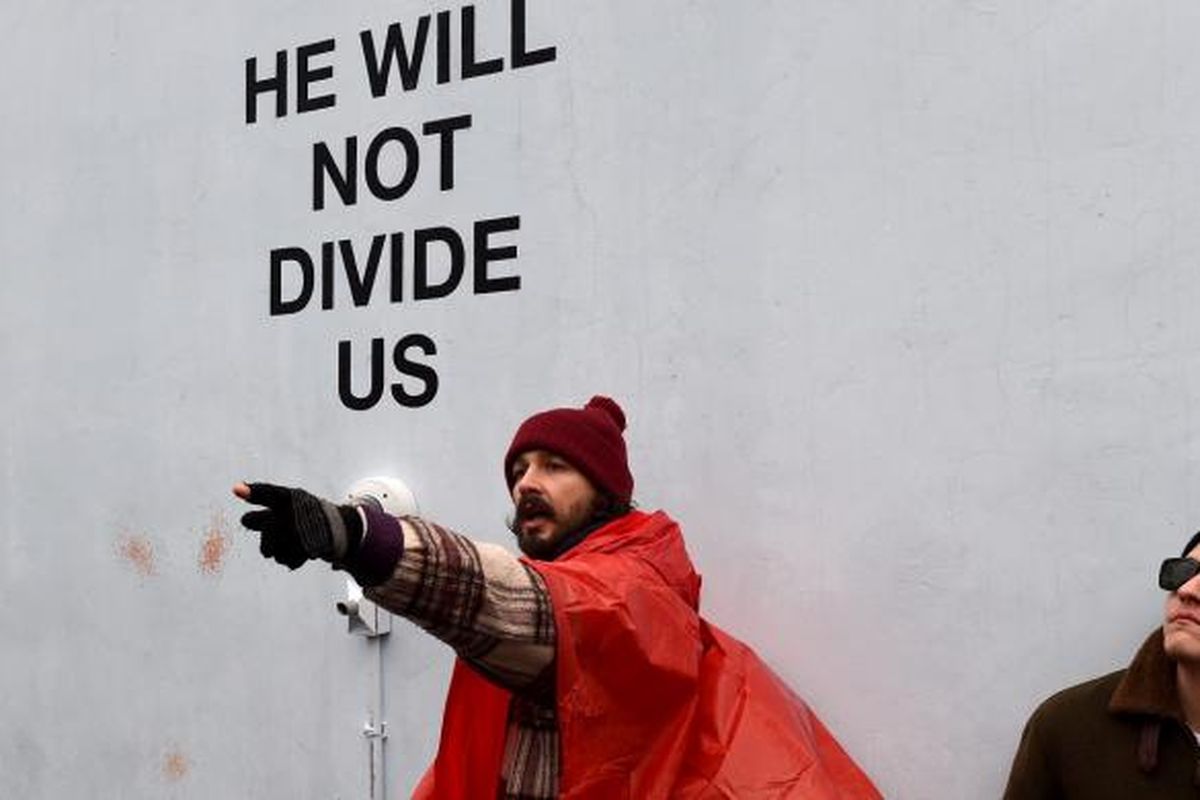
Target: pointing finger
<point x="266" y="494"/>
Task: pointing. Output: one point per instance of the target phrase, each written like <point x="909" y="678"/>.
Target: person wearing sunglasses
<point x="1134" y="733"/>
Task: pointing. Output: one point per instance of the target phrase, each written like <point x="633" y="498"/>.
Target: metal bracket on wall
<point x="362" y="616"/>
<point x="371" y="732"/>
<point x="375" y="737"/>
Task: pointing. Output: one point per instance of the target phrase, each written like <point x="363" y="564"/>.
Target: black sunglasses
<point x="1175" y="572"/>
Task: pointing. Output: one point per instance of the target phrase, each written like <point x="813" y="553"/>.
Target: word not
<point x="345" y="177"/>
<point x="360" y="280"/>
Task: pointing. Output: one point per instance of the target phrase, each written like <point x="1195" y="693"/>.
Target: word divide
<point x="401" y="51"/>
<point x="295" y="274"/>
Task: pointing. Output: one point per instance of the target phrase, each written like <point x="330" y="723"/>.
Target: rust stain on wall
<point x="139" y="552"/>
<point x="175" y="766"/>
<point x="216" y="545"/>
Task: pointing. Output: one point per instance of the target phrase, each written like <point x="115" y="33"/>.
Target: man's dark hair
<point x="606" y="509"/>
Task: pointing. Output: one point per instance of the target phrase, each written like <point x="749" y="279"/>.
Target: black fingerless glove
<point x="296" y="526"/>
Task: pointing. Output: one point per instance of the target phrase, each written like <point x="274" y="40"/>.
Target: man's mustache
<point x="533" y="505"/>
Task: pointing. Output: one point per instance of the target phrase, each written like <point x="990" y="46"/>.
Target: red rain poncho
<point x="653" y="702"/>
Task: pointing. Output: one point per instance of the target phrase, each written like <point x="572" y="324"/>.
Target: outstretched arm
<point x="475" y="596"/>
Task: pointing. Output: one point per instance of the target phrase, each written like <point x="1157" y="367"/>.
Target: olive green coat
<point x="1119" y="737"/>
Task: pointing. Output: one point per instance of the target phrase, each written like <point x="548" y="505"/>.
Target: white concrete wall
<point x="899" y="299"/>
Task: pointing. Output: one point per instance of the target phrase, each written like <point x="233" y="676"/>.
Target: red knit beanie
<point x="589" y="437"/>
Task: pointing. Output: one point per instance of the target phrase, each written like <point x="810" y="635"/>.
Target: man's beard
<point x="534" y="506"/>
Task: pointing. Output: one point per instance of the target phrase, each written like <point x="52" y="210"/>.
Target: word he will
<point x="436" y="260"/>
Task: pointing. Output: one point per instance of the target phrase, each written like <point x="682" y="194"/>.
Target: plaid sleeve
<point x="474" y="596"/>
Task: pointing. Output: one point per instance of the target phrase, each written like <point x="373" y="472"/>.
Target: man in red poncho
<point x="584" y="670"/>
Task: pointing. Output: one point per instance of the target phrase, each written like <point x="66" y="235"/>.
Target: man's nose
<point x="1190" y="590"/>
<point x="528" y="482"/>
